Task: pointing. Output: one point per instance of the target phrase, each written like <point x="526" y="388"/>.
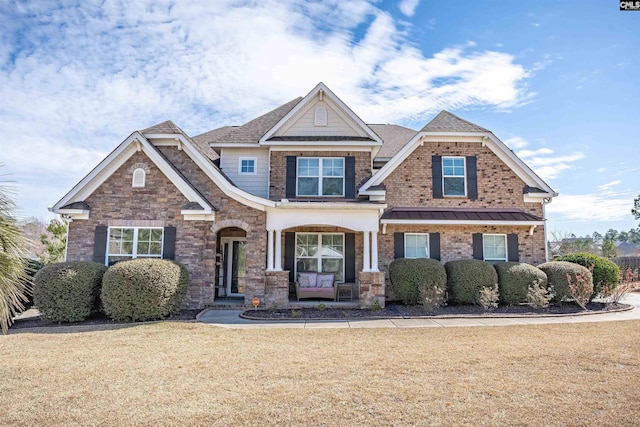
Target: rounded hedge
<point x="67" y="291"/>
<point x="605" y="272"/>
<point x="408" y="276"/>
<point x="514" y="279"/>
<point x="557" y="271"/>
<point x="466" y="277"/>
<point x="144" y="289"/>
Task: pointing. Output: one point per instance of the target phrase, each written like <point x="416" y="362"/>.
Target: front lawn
<point x="173" y="373"/>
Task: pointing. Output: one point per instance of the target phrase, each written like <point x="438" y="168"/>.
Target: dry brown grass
<point x="195" y="374"/>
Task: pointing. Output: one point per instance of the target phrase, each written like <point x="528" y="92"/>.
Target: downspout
<point x="544" y="216"/>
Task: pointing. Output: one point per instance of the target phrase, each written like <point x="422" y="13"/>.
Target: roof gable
<point x="449" y="122"/>
<point x="167" y="129"/>
<point x="463" y="130"/>
<point x="321" y="95"/>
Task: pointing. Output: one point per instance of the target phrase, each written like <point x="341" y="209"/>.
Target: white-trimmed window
<point x="320" y="252"/>
<point x="416" y="245"/>
<point x="494" y="247"/>
<point x="320" y="176"/>
<point x="453" y="176"/>
<point x="126" y="243"/>
<point x="320" y="116"/>
<point x="247" y="165"/>
<point x="139" y="177"/>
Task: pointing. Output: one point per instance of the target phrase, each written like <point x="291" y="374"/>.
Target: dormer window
<point x="139" y="176"/>
<point x="321" y="116"/>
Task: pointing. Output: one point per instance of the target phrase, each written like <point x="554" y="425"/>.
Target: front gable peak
<point x="320" y="116"/>
<point x="449" y="122"/>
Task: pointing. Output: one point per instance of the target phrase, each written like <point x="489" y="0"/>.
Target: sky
<point x="557" y="81"/>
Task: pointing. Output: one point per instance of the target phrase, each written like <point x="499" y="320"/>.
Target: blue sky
<point x="557" y="81"/>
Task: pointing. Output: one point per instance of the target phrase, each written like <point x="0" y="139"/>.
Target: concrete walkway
<point x="231" y="319"/>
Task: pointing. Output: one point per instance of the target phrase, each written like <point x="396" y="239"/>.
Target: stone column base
<point x="276" y="291"/>
<point x="372" y="288"/>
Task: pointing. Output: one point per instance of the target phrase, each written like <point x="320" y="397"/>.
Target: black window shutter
<point x="291" y="178"/>
<point x="169" y="245"/>
<point x="398" y="245"/>
<point x="290" y="253"/>
<point x="472" y="177"/>
<point x="478" y="250"/>
<point x="349" y="257"/>
<point x="436" y="174"/>
<point x="512" y="247"/>
<point x="350" y="177"/>
<point x="434" y="246"/>
<point x="100" y="244"/>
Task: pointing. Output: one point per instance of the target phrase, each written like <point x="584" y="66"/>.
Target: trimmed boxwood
<point x="67" y="291"/>
<point x="557" y="271"/>
<point x="144" y="289"/>
<point x="605" y="272"/>
<point x="514" y="279"/>
<point x="466" y="277"/>
<point x="409" y="275"/>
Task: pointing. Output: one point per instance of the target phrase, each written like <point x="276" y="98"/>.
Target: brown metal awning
<point x="459" y="216"/>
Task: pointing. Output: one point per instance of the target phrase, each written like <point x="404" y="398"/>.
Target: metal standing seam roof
<point x="459" y="214"/>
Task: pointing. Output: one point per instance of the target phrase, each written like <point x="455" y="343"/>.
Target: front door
<point x="234" y="261"/>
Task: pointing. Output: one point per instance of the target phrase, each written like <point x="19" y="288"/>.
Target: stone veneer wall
<point x="159" y="203"/>
<point x="372" y="288"/>
<point x="278" y="173"/>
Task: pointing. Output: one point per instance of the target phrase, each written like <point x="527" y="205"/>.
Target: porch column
<point x="366" y="257"/>
<point x="278" y="250"/>
<point x="374" y="251"/>
<point x="269" y="250"/>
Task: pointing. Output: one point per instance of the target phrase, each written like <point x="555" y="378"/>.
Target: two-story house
<point x="307" y="187"/>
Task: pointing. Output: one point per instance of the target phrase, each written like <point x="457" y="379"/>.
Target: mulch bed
<point x="399" y="310"/>
<point x="95" y="319"/>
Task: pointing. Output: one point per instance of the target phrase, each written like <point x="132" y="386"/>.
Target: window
<point x="320" y="116"/>
<point x="247" y="165"/>
<point x="320" y="176"/>
<point x="453" y="176"/>
<point x="416" y="245"/>
<point x="133" y="242"/>
<point x="321" y="252"/>
<point x="494" y="247"/>
<point x="139" y="176"/>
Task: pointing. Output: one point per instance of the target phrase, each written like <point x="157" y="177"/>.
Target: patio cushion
<point x="307" y="280"/>
<point x="325" y="281"/>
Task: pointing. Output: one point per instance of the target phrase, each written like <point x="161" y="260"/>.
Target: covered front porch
<point x="340" y="239"/>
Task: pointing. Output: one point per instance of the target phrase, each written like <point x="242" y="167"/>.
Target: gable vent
<point x="139" y="176"/>
<point x="321" y="116"/>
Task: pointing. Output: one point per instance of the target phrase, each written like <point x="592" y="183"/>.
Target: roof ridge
<point x="443" y="122"/>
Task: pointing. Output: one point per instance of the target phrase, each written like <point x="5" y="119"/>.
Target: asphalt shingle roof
<point x="250" y="132"/>
<point x="448" y="122"/>
<point x="168" y="127"/>
<point x="394" y="137"/>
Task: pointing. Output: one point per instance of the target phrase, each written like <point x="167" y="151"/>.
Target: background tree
<point x="636" y="207"/>
<point x="55" y="241"/>
<point x="32" y="230"/>
<point x="13" y="280"/>
<point x="609" y="249"/>
<point x="597" y="237"/>
<point x="611" y="235"/>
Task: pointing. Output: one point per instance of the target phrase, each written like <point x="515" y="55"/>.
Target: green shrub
<point x="514" y="280"/>
<point x="467" y="277"/>
<point x="605" y="272"/>
<point x="144" y="289"/>
<point x="31" y="267"/>
<point x="558" y="281"/>
<point x="66" y="291"/>
<point x="408" y="276"/>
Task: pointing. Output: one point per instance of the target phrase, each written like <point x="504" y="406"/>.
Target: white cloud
<point x="408" y="7"/>
<point x="544" y="161"/>
<point x="78" y="77"/>
<point x="601" y="206"/>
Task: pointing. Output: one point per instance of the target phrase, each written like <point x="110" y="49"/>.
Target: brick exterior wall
<point x="409" y="185"/>
<point x="115" y="202"/>
<point x="278" y="174"/>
